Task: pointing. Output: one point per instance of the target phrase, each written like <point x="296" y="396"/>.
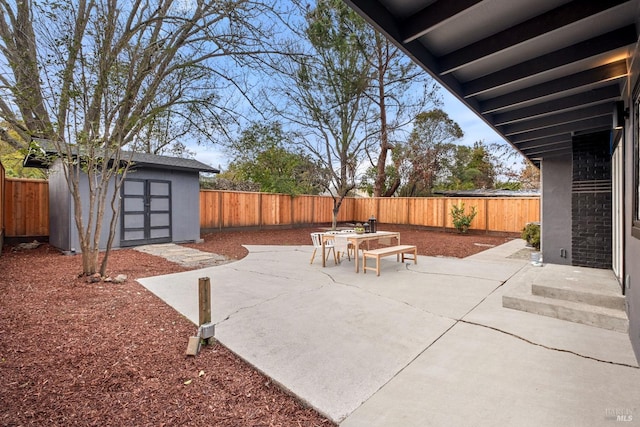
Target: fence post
<point x="259" y="210"/>
<point x="444" y="214"/>
<point x="220" y="210"/>
<point x="408" y="216"/>
<point x="292" y="210"/>
<point x="486" y="215"/>
<point x="204" y="300"/>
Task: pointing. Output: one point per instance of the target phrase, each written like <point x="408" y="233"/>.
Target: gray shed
<point x="160" y="203"/>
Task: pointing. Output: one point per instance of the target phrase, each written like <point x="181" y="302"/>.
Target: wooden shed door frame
<point x="146" y="212"/>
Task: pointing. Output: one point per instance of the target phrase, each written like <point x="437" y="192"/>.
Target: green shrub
<point x="531" y="233"/>
<point x="462" y="220"/>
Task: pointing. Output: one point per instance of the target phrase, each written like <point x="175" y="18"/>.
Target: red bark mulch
<point x="78" y="353"/>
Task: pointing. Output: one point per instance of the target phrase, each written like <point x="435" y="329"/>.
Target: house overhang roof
<point x="537" y="72"/>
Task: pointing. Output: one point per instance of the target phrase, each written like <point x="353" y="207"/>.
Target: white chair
<point x="350" y="247"/>
<point x="329" y="246"/>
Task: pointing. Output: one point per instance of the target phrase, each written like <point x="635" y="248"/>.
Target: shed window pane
<point x="133" y="204"/>
<point x="161" y="232"/>
<point x="134" y="235"/>
<point x="160" y="204"/>
<point x="133" y="188"/>
<point x="159" y="188"/>
<point x="160" y="220"/>
<point x="134" y="221"/>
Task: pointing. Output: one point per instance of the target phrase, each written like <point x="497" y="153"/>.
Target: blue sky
<point x="474" y="128"/>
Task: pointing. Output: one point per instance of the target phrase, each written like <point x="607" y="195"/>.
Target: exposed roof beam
<point x="596" y="96"/>
<point x="433" y="16"/>
<point x="544" y="154"/>
<point x="531" y="101"/>
<point x="598" y="123"/>
<point x="567" y="148"/>
<point x="380" y="17"/>
<point x="564" y="138"/>
<point x="597" y="110"/>
<point x="585" y="78"/>
<point x="596" y="46"/>
<point x="547" y="22"/>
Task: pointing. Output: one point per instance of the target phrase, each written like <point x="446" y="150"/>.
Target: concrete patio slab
<point x="448" y="287"/>
<point x="333" y="346"/>
<point x="475" y="376"/>
<point x="547" y="331"/>
<point x="234" y="286"/>
<point x="425" y="344"/>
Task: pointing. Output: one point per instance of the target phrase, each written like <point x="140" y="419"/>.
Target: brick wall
<point x="591" y="201"/>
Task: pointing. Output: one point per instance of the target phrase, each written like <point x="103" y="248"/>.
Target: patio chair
<point x="329" y="246"/>
<point x="350" y="246"/>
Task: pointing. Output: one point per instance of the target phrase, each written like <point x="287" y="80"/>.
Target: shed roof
<point x="41" y="146"/>
<point x="166" y="162"/>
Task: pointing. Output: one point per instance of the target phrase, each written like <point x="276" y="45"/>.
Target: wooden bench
<point x="400" y="250"/>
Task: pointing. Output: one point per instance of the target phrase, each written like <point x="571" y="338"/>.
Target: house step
<point x="578" y="312"/>
<point x="583" y="294"/>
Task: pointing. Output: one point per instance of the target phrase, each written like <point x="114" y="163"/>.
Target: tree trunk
<point x="335" y="212"/>
<point x="392" y="188"/>
<point x="90" y="261"/>
<point x="115" y="213"/>
<point x="381" y="174"/>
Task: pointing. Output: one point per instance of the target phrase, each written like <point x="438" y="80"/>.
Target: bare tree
<point x="324" y="85"/>
<point x="89" y="76"/>
<point x="399" y="90"/>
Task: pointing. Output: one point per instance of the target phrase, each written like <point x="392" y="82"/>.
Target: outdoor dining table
<point x="343" y="239"/>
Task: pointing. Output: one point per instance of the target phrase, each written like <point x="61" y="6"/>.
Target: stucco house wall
<point x="556" y="210"/>
<point x="631" y="277"/>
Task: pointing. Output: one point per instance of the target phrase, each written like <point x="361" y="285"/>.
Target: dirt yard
<point x="79" y="353"/>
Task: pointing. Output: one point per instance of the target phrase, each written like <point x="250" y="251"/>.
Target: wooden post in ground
<point x="204" y="300"/>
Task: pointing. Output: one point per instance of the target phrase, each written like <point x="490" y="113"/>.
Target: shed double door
<point x="146" y="212"/>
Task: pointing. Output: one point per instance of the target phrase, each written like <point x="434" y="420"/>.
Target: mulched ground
<point x="78" y="353"/>
<point x="430" y="243"/>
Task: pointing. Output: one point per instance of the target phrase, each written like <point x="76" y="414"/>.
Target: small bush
<point x="531" y="233"/>
<point x="462" y="220"/>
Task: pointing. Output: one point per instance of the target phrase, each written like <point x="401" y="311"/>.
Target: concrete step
<point x="578" y="312"/>
<point x="583" y="294"/>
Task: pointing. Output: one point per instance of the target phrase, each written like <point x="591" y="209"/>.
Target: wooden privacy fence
<point x="228" y="209"/>
<point x="24" y="210"/>
<point x="2" y="179"/>
<point x="26" y="207"/>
